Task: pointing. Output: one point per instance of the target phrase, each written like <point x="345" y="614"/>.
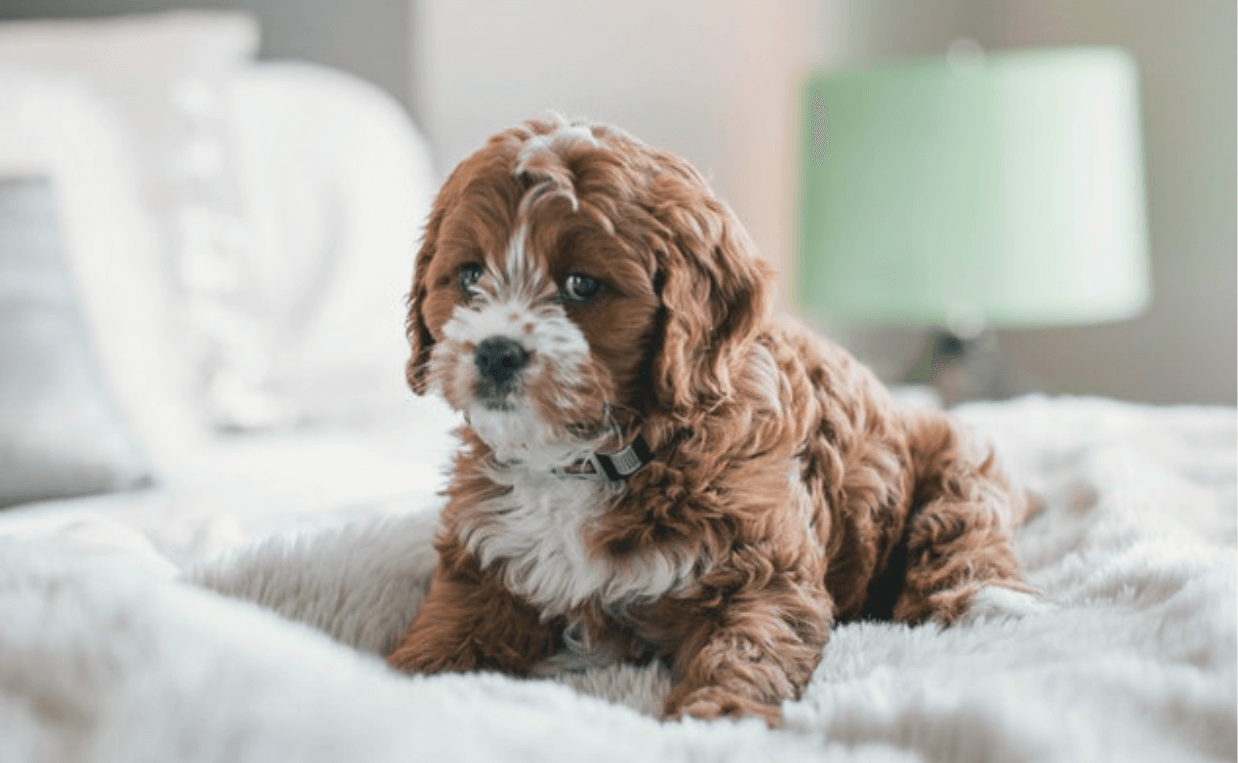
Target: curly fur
<point x="789" y="490"/>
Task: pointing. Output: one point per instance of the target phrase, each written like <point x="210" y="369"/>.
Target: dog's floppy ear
<point x="714" y="288"/>
<point x="419" y="337"/>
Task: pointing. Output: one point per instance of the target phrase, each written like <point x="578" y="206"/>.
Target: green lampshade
<point x="1010" y="189"/>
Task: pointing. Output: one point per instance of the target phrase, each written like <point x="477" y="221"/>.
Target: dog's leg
<point x="746" y="658"/>
<point x="959" y="539"/>
<point x="471" y="622"/>
<point x="955" y="550"/>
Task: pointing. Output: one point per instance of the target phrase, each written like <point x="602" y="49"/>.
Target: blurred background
<point x="720" y="83"/>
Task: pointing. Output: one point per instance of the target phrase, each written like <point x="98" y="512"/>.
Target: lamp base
<point x="963" y="369"/>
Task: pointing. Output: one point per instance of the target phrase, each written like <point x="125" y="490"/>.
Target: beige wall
<point x="716" y="81"/>
<point x="709" y="80"/>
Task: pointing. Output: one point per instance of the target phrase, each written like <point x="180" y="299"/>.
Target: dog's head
<point x="573" y="281"/>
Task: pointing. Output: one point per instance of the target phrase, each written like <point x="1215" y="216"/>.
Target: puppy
<point x="652" y="466"/>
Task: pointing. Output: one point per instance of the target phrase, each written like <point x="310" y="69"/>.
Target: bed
<point x="154" y="627"/>
<point x="259" y="538"/>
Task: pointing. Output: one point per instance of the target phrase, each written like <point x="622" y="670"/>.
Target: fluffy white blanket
<point x="101" y="660"/>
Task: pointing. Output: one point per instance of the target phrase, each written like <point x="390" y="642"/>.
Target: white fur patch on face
<point x="537" y="531"/>
<point x="506" y="306"/>
<point x="519" y="277"/>
<point x="518" y="435"/>
<point x="557" y="351"/>
<point x="545" y="331"/>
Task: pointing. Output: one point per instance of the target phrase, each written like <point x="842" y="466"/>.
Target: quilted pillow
<point x="181" y="341"/>
<point x="61" y="434"/>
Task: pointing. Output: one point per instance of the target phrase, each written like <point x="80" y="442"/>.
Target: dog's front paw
<point x="995" y="602"/>
<point x="714" y="702"/>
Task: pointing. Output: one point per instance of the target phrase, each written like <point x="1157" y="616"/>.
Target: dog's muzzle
<point x="499" y="362"/>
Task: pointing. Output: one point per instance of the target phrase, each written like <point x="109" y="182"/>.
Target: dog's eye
<point x="580" y="288"/>
<point x="468" y="276"/>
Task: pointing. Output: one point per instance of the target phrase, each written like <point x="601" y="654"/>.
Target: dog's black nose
<point x="499" y="358"/>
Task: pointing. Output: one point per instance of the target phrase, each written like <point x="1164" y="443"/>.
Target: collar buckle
<point x="614" y="467"/>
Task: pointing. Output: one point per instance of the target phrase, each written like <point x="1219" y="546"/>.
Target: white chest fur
<point x="537" y="531"/>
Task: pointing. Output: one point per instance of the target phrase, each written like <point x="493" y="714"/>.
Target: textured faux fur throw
<point x="1135" y="660"/>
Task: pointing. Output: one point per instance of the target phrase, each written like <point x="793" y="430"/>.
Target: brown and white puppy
<point x="653" y="467"/>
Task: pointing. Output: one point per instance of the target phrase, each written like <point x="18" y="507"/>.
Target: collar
<point x="616" y="466"/>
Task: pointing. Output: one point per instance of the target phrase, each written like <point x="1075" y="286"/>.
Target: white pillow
<point x="127" y="116"/>
<point x="278" y="208"/>
<point x="52" y="128"/>
<point x="339" y="183"/>
<point x="60" y="432"/>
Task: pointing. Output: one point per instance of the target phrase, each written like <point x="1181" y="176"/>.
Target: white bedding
<point x="239" y="487"/>
<point x="106" y="653"/>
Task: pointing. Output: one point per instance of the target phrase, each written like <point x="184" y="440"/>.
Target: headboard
<point x="369" y="38"/>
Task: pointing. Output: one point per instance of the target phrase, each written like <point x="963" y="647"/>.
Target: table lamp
<point x="979" y="192"/>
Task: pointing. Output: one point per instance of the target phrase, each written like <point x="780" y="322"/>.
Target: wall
<point x="716" y="82"/>
<point x="709" y="80"/>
